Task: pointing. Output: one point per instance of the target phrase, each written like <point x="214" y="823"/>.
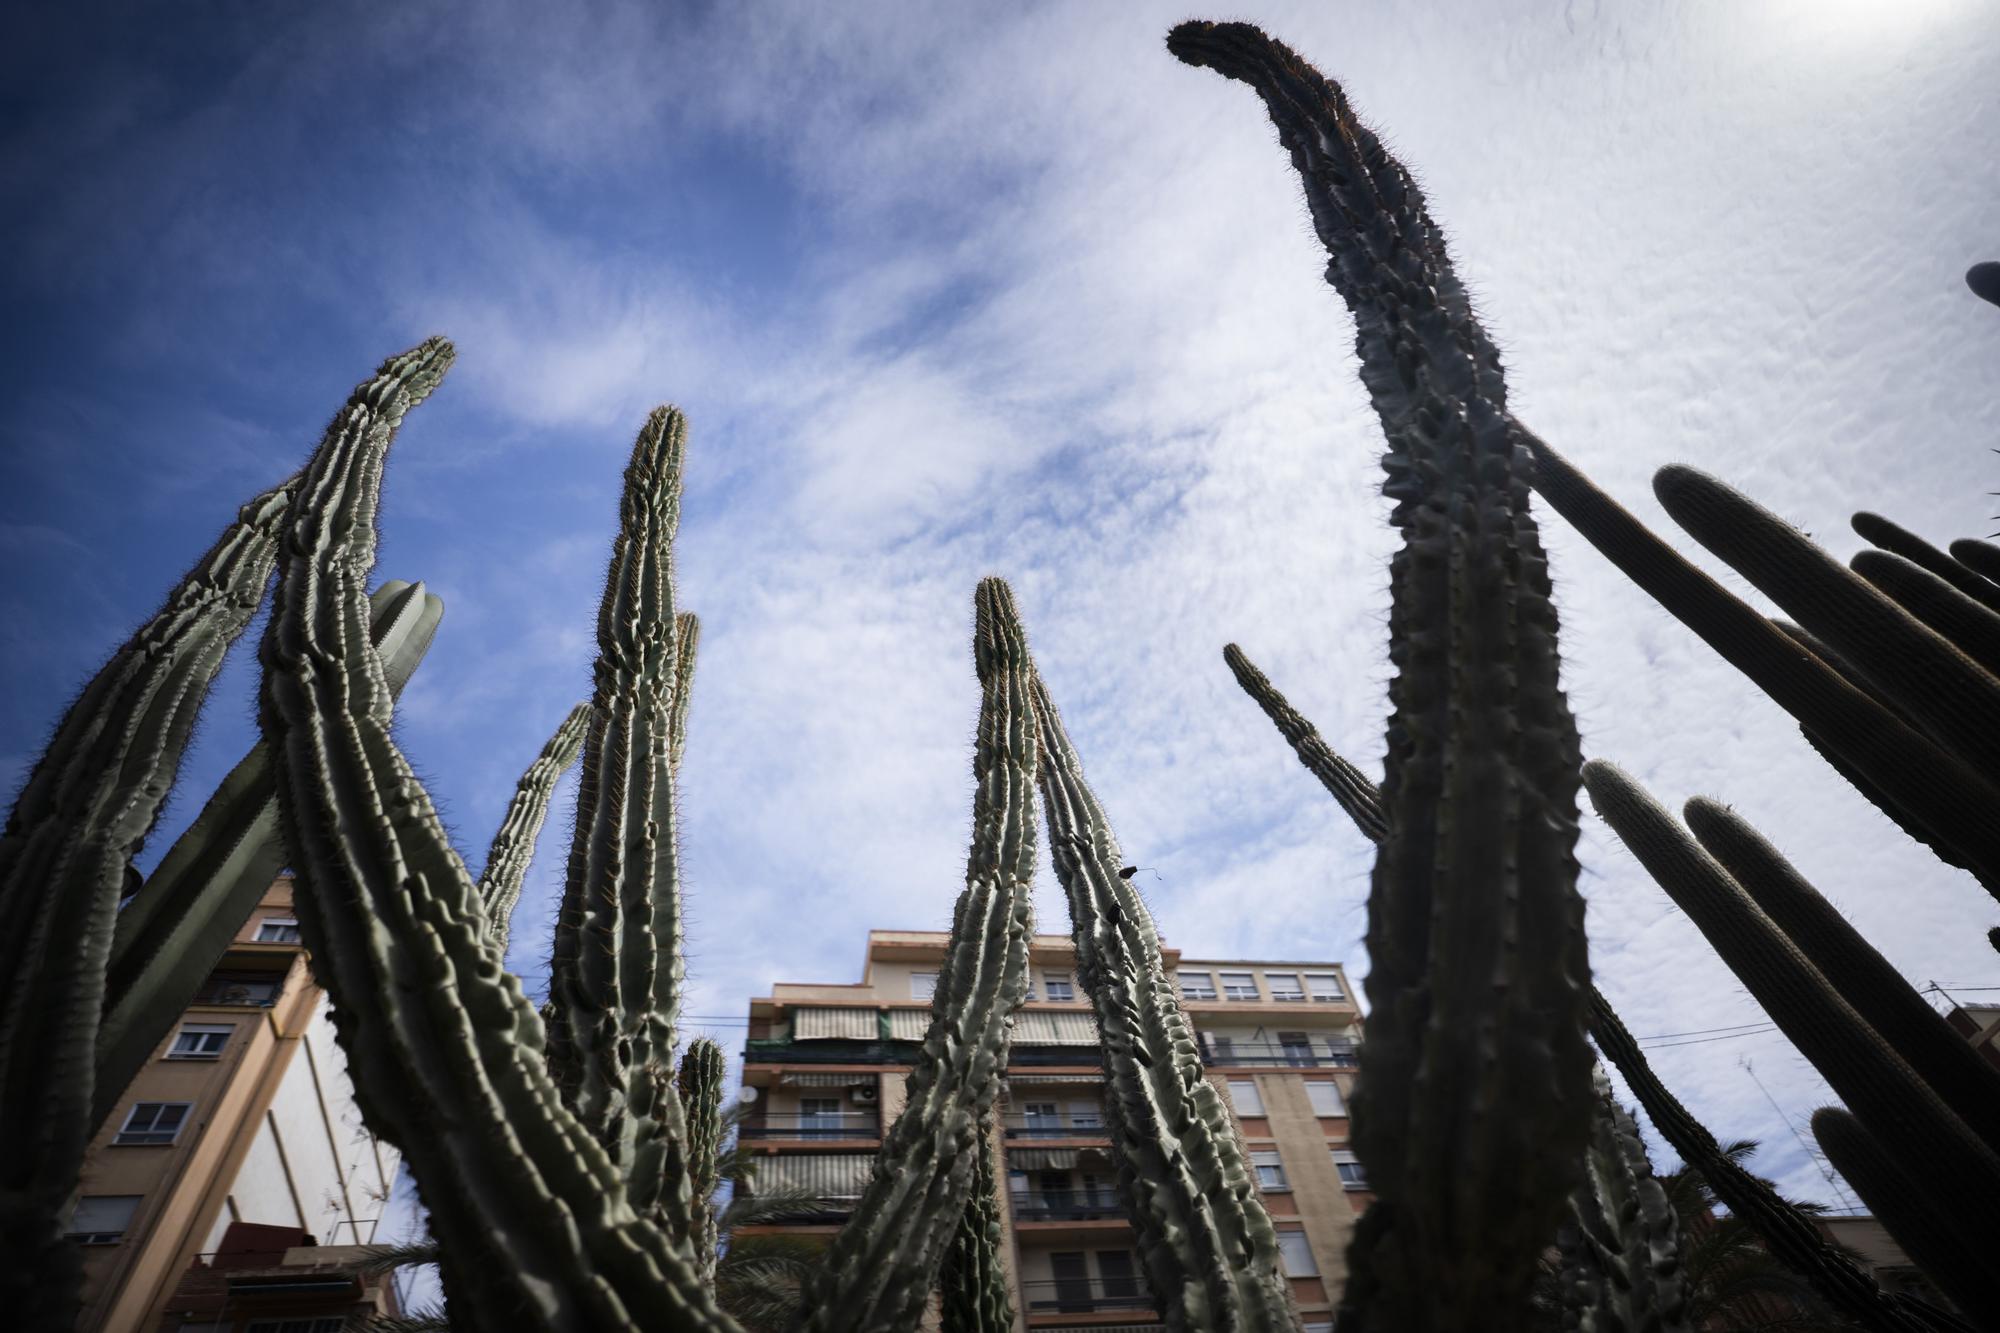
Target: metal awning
<point x="1027" y="1078"/>
<point x="1051" y="1159"/>
<point x="909" y="1024"/>
<point x="1055" y="1029"/>
<point x="838" y="1175"/>
<point x="834" y="1025"/>
<point x="810" y="1080"/>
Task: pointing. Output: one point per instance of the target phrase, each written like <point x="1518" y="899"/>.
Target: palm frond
<point x="388" y="1258"/>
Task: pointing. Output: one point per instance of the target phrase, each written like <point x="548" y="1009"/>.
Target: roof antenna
<point x="1811" y="1150"/>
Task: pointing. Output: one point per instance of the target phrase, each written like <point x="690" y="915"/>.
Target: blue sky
<point x="999" y="289"/>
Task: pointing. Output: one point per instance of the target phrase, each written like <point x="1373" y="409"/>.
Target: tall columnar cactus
<point x="65" y="858"/>
<point x="885" y="1261"/>
<point x="1349" y="785"/>
<point x="1921" y="784"/>
<point x="1621" y="1250"/>
<point x="1946" y="1161"/>
<point x="1966" y="622"/>
<point x="1980" y="557"/>
<point x="1474" y="1100"/>
<point x="1207" y="1245"/>
<point x="513" y="846"/>
<point x="179" y="924"/>
<point x="1879" y="532"/>
<point x="699" y="1082"/>
<point x="537" y="1227"/>
<point x="1948" y="696"/>
<point x="972" y="1286"/>
<point x="1958" y="1260"/>
<point x="1890" y="1005"/>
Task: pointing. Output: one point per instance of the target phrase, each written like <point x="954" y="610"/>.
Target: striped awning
<point x="1051" y="1159"/>
<point x="833" y="1025"/>
<point x="1029" y="1079"/>
<point x="838" y="1175"/>
<point x="909" y="1024"/>
<point x="810" y="1080"/>
<point x="1054" y="1029"/>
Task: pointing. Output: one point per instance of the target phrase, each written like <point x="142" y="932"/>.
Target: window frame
<point x="222" y="1030"/>
<point x="149" y="1137"/>
<point x="1338" y="994"/>
<point x="923" y="985"/>
<point x="1343" y="1159"/>
<point x="1264" y="1160"/>
<point x="1229" y="988"/>
<point x="1206" y="991"/>
<point x="1332" y="1089"/>
<point x="1255" y="1098"/>
<point x="282" y="923"/>
<point x="101" y="1237"/>
<point x="1297" y="995"/>
<point x="1052" y="981"/>
<point x="1311" y="1265"/>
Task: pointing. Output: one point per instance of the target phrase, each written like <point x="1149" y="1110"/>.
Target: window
<point x="1086" y="1115"/>
<point x="1349" y="1166"/>
<point x="153" y="1123"/>
<point x="923" y="985"/>
<point x="1221" y="1050"/>
<point x="1285" y="987"/>
<point x="1343" y="1053"/>
<point x="1239" y="986"/>
<point x="200" y="1041"/>
<point x="278" y="930"/>
<point x="1325" y="986"/>
<point x="819" y="1117"/>
<point x="1317" y="1326"/>
<point x="1297" y="1254"/>
<point x="1244" y="1097"/>
<point x="258" y="988"/>
<point x="1197" y="986"/>
<point x="1058" y="987"/>
<point x="1041" y="1115"/>
<point x="1297" y="1048"/>
<point x="1115" y="1270"/>
<point x="1326" y="1099"/>
<point x="101" y="1219"/>
<point x="1270" y="1170"/>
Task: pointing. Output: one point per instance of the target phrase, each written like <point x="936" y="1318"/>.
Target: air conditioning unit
<point x="864" y="1094"/>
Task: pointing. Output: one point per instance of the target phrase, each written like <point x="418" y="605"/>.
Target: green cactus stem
<point x="1909" y="776"/>
<point x="687" y="636"/>
<point x="1945" y="1159"/>
<point x="1881" y="533"/>
<point x="1967" y="623"/>
<point x="513" y="846"/>
<point x="1621" y="1247"/>
<point x="1941" y="690"/>
<point x="699" y="1082"/>
<point x="1792" y="1236"/>
<point x="180" y="923"/>
<point x="1982" y="558"/>
<point x="618" y="995"/>
<point x="1877" y="991"/>
<point x="1206" y="1243"/>
<point x="883" y="1264"/>
<point x="531" y="1213"/>
<point x="65" y="858"/>
<point x="1959" y="1260"/>
<point x="1347" y="784"/>
<point x="1473" y="1106"/>
<point x="972" y="1287"/>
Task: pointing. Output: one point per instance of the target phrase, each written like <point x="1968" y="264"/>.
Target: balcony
<point x="809" y="1125"/>
<point x="1098" y="1205"/>
<point x="785" y="1051"/>
<point x="1313" y="1053"/>
<point x="1080" y="1295"/>
<point x="1029" y="1129"/>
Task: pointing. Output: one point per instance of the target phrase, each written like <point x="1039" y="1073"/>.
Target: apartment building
<point x="228" y="1187"/>
<point x="823" y="1072"/>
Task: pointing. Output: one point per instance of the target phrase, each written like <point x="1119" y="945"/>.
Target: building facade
<point x="242" y="1128"/>
<point x="823" y="1072"/>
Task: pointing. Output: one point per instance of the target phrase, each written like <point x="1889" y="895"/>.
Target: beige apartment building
<point x="228" y="1188"/>
<point x="824" y="1066"/>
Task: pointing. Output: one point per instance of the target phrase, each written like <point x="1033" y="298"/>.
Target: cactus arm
<point x="1879" y="994"/>
<point x="173" y="933"/>
<point x="1949" y="1249"/>
<point x="883" y="1264"/>
<point x="972" y="1286"/>
<point x="1621" y="1245"/>
<point x="65" y="856"/>
<point x="1208" y="1247"/>
<point x="1476" y="1062"/>
<point x="1941" y="690"/>
<point x="699" y="1082"/>
<point x="514" y="845"/>
<point x="1982" y="558"/>
<point x="1884" y="535"/>
<point x="1921" y="782"/>
<point x="1348" y="785"/>
<point x="1984" y="280"/>
<point x="687" y="636"/>
<point x="1964" y="621"/>
<point x="445" y="1048"/>
<point x="617" y="967"/>
<point x="1791" y="1235"/>
<point x="1945" y="1158"/>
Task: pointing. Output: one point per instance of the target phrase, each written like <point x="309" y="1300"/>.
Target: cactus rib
<point x="1879" y="532"/>
<point x="445" y="1048"/>
<point x="1347" y="784"/>
<point x="884" y="1262"/>
<point x="513" y="846"/>
<point x="1206" y="1243"/>
<point x="972" y="1286"/>
<point x="1621" y="1257"/>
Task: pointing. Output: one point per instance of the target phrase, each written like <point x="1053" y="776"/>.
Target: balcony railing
<point x="1066" y="1205"/>
<point x="1087" y="1295"/>
<point x="783" y="1050"/>
<point x="1040" y="1127"/>
<point x="812" y="1125"/>
<point x="1310" y="1054"/>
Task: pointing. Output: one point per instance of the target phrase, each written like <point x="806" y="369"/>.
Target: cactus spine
<point x="1207" y="1245"/>
<point x="514" y="844"/>
<point x="885" y="1261"/>
<point x="972" y="1288"/>
<point x="1473" y="1105"/>
<point x="699" y="1082"/>
<point x="1348" y="784"/>
<point x="1621" y="1261"/>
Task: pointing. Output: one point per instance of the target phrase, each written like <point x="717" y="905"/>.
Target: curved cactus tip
<point x="1993" y="938"/>
<point x="1984" y="279"/>
<point x="998" y="642"/>
<point x="1194" y="40"/>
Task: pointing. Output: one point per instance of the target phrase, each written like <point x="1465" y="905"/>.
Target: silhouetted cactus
<point x="972" y="1286"/>
<point x="1621" y="1254"/>
<point x="1983" y="558"/>
<point x="1481" y="772"/>
<point x="1347" y="784"/>
<point x="1984" y="280"/>
<point x="885" y="1261"/>
<point x="1970" y="626"/>
<point x="699" y="1082"/>
<point x="514" y="845"/>
<point x="1880" y="532"/>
